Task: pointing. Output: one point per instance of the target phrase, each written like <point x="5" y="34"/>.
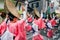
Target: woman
<point x="3" y="25"/>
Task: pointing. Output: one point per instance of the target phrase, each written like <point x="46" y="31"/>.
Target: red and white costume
<point x="22" y="27"/>
<point x="3" y="27"/>
<point x="50" y="33"/>
<point x="53" y="22"/>
<point x="41" y="23"/>
<point x="38" y="37"/>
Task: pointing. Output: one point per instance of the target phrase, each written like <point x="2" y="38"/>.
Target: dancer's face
<point x="15" y="19"/>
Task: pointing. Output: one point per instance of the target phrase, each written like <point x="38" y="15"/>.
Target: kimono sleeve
<point x="38" y="37"/>
<point x="3" y="27"/>
<point x="53" y="22"/>
<point x="28" y="27"/>
<point x="21" y="31"/>
<point x="50" y="33"/>
<point x="41" y="23"/>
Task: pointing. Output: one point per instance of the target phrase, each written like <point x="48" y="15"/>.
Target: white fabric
<point x="36" y="33"/>
<point x="24" y="14"/>
<point x="26" y="2"/>
<point x="41" y="13"/>
<point x="49" y="25"/>
<point x="52" y="10"/>
<point x="7" y="36"/>
<point x="35" y="27"/>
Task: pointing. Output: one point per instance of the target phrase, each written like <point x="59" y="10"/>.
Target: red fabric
<point x="41" y="23"/>
<point x="3" y="27"/>
<point x="0" y="29"/>
<point x="36" y="22"/>
<point x="53" y="22"/>
<point x="28" y="27"/>
<point x="38" y="37"/>
<point x="30" y="19"/>
<point x="13" y="28"/>
<point x="50" y="33"/>
<point x="17" y="37"/>
<point x="20" y="37"/>
<point x="21" y="31"/>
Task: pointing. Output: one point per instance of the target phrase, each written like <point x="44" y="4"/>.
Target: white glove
<point x="26" y="2"/>
<point x="24" y="15"/>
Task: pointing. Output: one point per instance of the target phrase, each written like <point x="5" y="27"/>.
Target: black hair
<point x="36" y="17"/>
<point x="3" y="15"/>
<point x="11" y="16"/>
<point x="49" y="17"/>
<point x="56" y="18"/>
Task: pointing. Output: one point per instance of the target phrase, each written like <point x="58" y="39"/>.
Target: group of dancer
<point x="15" y="27"/>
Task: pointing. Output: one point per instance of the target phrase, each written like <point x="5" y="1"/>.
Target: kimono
<point x="49" y="25"/>
<point x="21" y="30"/>
<point x="14" y="30"/>
<point x="35" y="25"/>
<point x="3" y="27"/>
<point x="5" y="34"/>
<point x="28" y="27"/>
<point x="53" y="22"/>
<point x="12" y="27"/>
<point x="11" y="31"/>
<point x="38" y="37"/>
<point x="30" y="19"/>
<point x="36" y="21"/>
<point x="50" y="34"/>
<point x="41" y="23"/>
<point x="49" y="29"/>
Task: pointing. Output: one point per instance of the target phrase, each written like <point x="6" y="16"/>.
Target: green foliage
<point x="1" y="10"/>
